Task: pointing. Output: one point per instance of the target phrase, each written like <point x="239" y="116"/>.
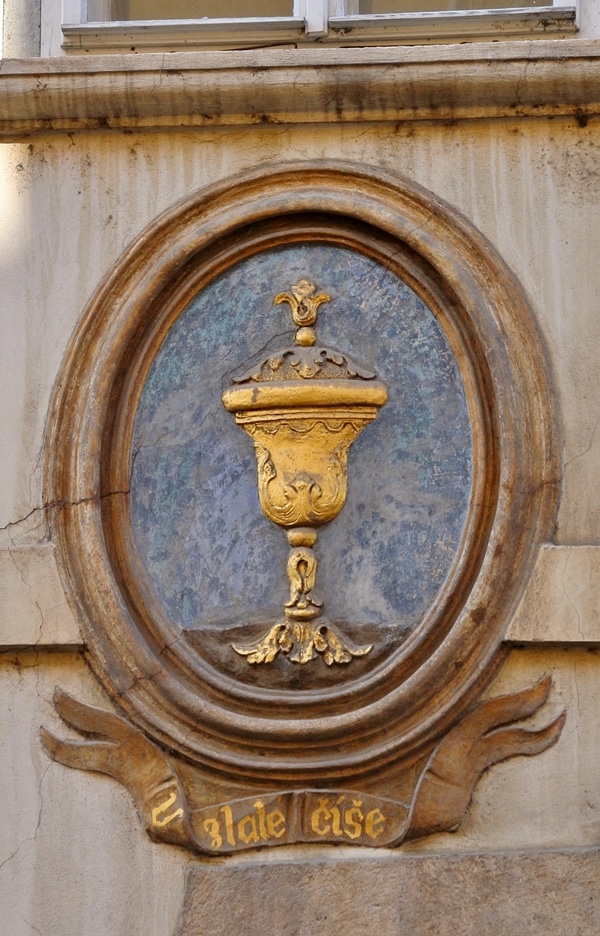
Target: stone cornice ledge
<point x="560" y="605"/>
<point x="192" y="89"/>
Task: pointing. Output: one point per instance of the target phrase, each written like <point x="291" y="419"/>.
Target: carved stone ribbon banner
<point x="320" y="690"/>
<point x="439" y="803"/>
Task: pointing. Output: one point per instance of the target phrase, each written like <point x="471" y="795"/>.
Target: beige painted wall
<point x="73" y="857"/>
<point x="72" y="204"/>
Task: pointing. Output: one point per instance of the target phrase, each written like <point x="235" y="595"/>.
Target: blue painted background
<point x="197" y="523"/>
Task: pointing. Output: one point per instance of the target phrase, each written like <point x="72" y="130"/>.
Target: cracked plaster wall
<point x="73" y="858"/>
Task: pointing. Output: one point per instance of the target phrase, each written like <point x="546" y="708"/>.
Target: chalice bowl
<point x="303" y="408"/>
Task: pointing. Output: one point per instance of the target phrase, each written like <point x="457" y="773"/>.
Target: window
<point x="171" y="25"/>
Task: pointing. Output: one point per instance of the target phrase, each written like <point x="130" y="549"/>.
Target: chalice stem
<point x="305" y="632"/>
<point x="302" y="573"/>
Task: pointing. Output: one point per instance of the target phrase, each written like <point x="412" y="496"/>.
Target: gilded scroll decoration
<point x="303" y="408"/>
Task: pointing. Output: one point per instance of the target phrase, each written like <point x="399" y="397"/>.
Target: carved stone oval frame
<point x="398" y="709"/>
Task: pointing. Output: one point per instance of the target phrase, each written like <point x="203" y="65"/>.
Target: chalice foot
<point x="305" y="633"/>
<point x="301" y="642"/>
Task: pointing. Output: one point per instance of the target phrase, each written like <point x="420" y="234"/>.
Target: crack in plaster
<point x="586" y="450"/>
<point x="240" y="367"/>
<point x="61" y="505"/>
<point x="387" y="265"/>
<point x="30" y="838"/>
<point x="419" y="227"/>
<point x="577" y="696"/>
<point x="36" y="469"/>
<point x="32" y="927"/>
<point x="521" y="84"/>
<point x="11" y="551"/>
<point x="147" y="445"/>
<point x="566" y="594"/>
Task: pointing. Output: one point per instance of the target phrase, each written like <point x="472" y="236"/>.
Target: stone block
<point x="33" y="606"/>
<point x="561" y="603"/>
<point x="511" y="894"/>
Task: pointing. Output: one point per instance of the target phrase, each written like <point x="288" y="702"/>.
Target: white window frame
<point x="65" y="27"/>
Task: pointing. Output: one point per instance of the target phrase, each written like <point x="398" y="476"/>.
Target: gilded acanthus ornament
<point x="303" y="408"/>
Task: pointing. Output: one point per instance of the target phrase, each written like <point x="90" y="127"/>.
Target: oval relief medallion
<point x="306" y="433"/>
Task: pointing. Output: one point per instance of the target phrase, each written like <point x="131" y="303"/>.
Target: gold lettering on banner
<point x="322" y="813"/>
<point x="321" y="816"/>
<point x="262" y="827"/>
<point x="374" y="823"/>
<point x="156" y="812"/>
<point x="262" y="824"/>
<point x="335" y="818"/>
<point x="212" y="827"/>
<point x="226" y="810"/>
<point x="247" y="831"/>
<point x="353" y="820"/>
<point x="326" y="820"/>
<point x="276" y="824"/>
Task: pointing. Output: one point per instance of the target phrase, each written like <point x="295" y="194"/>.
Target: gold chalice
<point x="303" y="408"/>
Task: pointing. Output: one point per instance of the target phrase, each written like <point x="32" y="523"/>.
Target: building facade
<point x="440" y="174"/>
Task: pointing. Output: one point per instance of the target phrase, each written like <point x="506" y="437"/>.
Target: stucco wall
<point x="73" y="857"/>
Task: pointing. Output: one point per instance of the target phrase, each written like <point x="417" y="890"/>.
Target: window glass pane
<point x="198" y="9"/>
<point x="430" y="6"/>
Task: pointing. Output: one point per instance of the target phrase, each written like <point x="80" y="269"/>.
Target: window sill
<point x="183" y="35"/>
<point x="311" y="86"/>
<point x="345" y="31"/>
